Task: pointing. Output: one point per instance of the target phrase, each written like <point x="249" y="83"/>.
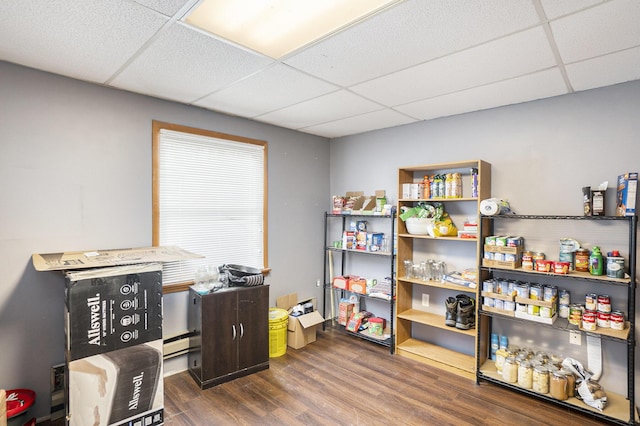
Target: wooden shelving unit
<point x="421" y="333"/>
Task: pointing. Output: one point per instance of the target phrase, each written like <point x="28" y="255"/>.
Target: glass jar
<point x="571" y="383"/>
<point x="525" y="374"/>
<point x="501" y="355"/>
<point x="540" y="379"/>
<point x="510" y="370"/>
<point x="558" y="385"/>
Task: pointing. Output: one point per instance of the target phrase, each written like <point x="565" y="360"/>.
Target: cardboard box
<point x="345" y="309"/>
<point x="626" y="194"/>
<point x="101" y="258"/>
<point x="301" y="330"/>
<point x="121" y="387"/>
<point x="112" y="308"/>
<point x="358" y="285"/>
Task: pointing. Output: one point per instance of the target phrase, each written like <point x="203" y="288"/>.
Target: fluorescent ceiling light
<point x="279" y="27"/>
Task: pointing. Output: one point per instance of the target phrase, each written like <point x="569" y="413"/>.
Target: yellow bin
<point x="278" y="321"/>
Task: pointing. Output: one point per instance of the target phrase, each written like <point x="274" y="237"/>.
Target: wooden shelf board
<point x="429" y="237"/>
<point x="617" y="405"/>
<point x="432" y="320"/>
<point x="443" y="358"/>
<point x="439" y="284"/>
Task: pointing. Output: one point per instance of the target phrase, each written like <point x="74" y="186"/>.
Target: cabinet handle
<point x="241" y="330"/>
<point x="234" y="331"/>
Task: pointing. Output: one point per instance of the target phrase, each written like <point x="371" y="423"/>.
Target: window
<point x="210" y="198"/>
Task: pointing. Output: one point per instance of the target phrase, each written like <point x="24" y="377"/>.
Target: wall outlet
<point x="425" y="299"/>
<point x="317" y="283"/>
<point x="575" y="338"/>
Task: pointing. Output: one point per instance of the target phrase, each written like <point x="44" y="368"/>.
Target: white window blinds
<point x="211" y="201"/>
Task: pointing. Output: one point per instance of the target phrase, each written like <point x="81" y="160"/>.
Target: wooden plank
<point x="432" y="320"/>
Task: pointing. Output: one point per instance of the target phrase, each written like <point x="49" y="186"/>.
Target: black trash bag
<point x="240" y="276"/>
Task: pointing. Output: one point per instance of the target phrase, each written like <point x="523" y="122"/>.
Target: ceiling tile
<point x="543" y="84"/>
<point x="166" y="7"/>
<point x="411" y="33"/>
<point x="359" y="124"/>
<point x="591" y="33"/>
<point x="605" y="70"/>
<point x="89" y="41"/>
<point x="333" y="106"/>
<point x="273" y="88"/>
<point x="556" y="8"/>
<point x="184" y="65"/>
<point x="518" y="54"/>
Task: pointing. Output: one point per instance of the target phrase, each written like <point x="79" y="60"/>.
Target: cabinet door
<point x="253" y="317"/>
<point x="220" y="334"/>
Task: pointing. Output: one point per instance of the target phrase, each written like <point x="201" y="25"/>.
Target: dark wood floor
<point x="342" y="380"/>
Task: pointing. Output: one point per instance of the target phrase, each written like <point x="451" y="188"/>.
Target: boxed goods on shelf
<point x="301" y="330"/>
<point x="626" y="194"/>
<point x="355" y="202"/>
<point x="345" y="309"/>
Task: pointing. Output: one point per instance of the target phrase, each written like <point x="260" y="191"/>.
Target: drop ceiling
<point x="417" y="60"/>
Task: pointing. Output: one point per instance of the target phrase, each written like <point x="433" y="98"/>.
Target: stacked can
<point x="563" y="303"/>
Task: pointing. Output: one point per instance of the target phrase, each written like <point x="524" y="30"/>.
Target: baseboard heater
<point x="176" y="345"/>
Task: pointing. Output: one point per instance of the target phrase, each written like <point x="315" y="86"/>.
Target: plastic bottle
<point x="595" y="261"/>
<point x="426" y="188"/>
<point x="448" y="186"/>
<point x="474" y="182"/>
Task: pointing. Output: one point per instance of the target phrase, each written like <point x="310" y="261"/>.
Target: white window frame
<point x="207" y="187"/>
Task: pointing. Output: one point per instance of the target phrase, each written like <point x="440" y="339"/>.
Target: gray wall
<point x="75" y="174"/>
<point x="542" y="153"/>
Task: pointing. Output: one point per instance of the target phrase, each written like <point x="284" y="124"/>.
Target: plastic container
<point x="278" y="322"/>
<point x="18" y="403"/>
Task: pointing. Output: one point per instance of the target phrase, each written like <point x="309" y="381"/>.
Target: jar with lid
<point x="540" y="379"/>
<point x="525" y="375"/>
<point x="558" y="385"/>
<point x="510" y="370"/>
<point x="501" y="355"/>
<point x="582" y="260"/>
<point x="571" y="382"/>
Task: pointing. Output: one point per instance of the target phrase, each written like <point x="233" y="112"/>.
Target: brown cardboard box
<point x="301" y="330"/>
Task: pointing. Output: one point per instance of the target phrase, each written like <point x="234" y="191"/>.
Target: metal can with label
<point x="602" y="319"/>
<point x="575" y="314"/>
<point x="603" y="303"/>
<point x="591" y="302"/>
<point x="565" y="297"/>
<point x="616" y="320"/>
<point x="563" y="311"/>
<point x="537" y="256"/>
<point x="589" y="320"/>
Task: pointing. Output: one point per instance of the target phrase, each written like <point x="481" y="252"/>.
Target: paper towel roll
<point x="489" y="207"/>
<point x="494" y="206"/>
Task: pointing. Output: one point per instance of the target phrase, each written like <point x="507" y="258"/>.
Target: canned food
<point x="533" y="310"/>
<point x="522" y="290"/>
<point x="563" y="311"/>
<point x="510" y="257"/>
<point x="615" y="267"/>
<point x="536" y="257"/>
<point x="527" y="265"/>
<point x="565" y="297"/>
<point x="501" y="241"/>
<point x="521" y="307"/>
<point x="499" y="304"/>
<point x="487" y="286"/>
<point x="575" y="314"/>
<point x="514" y="241"/>
<point x="544" y="265"/>
<point x="589" y="320"/>
<point x="489" y="255"/>
<point x="490" y="240"/>
<point x="561" y="267"/>
<point x="498" y="256"/>
<point x="602" y="319"/>
<point x="550" y="293"/>
<point x="591" y="302"/>
<point x="603" y="303"/>
<point x="509" y="305"/>
<point x="545" y="312"/>
<point x="490" y="302"/>
<point x="503" y="287"/>
<point x="536" y="292"/>
<point x="616" y="320"/>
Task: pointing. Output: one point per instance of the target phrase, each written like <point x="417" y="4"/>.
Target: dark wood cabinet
<point x="230" y="334"/>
